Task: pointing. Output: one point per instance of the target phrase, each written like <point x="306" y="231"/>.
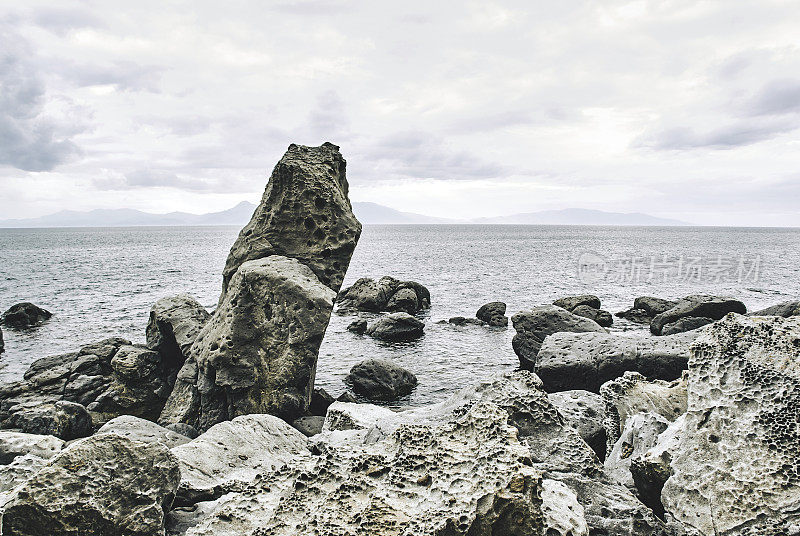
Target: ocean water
<point x="102" y="282"/>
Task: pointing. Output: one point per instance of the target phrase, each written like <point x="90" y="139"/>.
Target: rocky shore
<point x="214" y="426"/>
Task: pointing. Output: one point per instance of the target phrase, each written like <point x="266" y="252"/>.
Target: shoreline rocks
<point x="386" y="294"/>
<point x="493" y="313"/>
<point x="24" y="315"/>
<point x="645" y="308"/>
<point x="380" y="379"/>
<point x="697" y="306"/>
<point x="396" y="327"/>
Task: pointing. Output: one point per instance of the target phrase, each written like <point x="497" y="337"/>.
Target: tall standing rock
<point x="258" y="352"/>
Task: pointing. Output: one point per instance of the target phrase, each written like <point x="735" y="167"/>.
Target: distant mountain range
<point x="368" y="213"/>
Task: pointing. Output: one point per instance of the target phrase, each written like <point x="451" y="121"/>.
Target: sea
<point x="101" y="282"/>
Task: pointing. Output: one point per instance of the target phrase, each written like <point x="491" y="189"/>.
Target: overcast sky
<point x="679" y="108"/>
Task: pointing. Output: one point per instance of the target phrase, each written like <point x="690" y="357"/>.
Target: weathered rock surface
<point x="535" y="325"/>
<point x="493" y="313"/>
<point x="24" y="315"/>
<point x="571" y="302"/>
<point x="735" y="471"/>
<point x="638" y="316"/>
<point x="785" y="309"/>
<point x="639" y="435"/>
<point x="141" y="430"/>
<point x="396" y="327"/>
<point x="304" y="214"/>
<point x="320" y="401"/>
<point x="603" y="318"/>
<point x="587" y="360"/>
<point x="563" y="514"/>
<point x="62" y="419"/>
<point x="652" y="469"/>
<point x="258" y="353"/>
<point x="386" y="294"/>
<point x="358" y="326"/>
<point x="687" y="323"/>
<point x="174" y="325"/>
<point x="16" y="473"/>
<point x="380" y="379"/>
<point x="585" y="412"/>
<point x="14" y="444"/>
<point x="100" y="486"/>
<point x="653" y="306"/>
<point x="697" y="305"/>
<point x="309" y="426"/>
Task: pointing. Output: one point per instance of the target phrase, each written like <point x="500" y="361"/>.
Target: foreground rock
<point x="174" y="325"/>
<point x="585" y="412"/>
<point x="639" y="435"/>
<point x="785" y="309"/>
<point x="535" y="325"/>
<point x="587" y="360"/>
<point x="144" y="431"/>
<point x="24" y="315"/>
<point x="386" y="294"/>
<point x="735" y="470"/>
<point x="103" y="485"/>
<point x="62" y="419"/>
<point x="603" y="318"/>
<point x="14" y="444"/>
<point x="304" y="214"/>
<point x="571" y="302"/>
<point x="698" y="306"/>
<point x="493" y="313"/>
<point x="396" y="327"/>
<point x="380" y="379"/>
<point x="652" y="469"/>
<point x="258" y="353"/>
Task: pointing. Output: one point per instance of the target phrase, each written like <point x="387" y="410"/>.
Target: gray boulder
<point x="735" y="470"/>
<point x="304" y="214"/>
<point x="396" y="327"/>
<point x="62" y="419"/>
<point x="585" y="412"/>
<point x="603" y="318"/>
<point x="258" y="353"/>
<point x="638" y="316"/>
<point x="687" y="323"/>
<point x="386" y="294"/>
<point x="587" y="360"/>
<point x="639" y="435"/>
<point x="100" y="486"/>
<point x="380" y="379"/>
<point x="14" y="444"/>
<point x="493" y="313"/>
<point x="535" y="325"/>
<point x="571" y="302"/>
<point x="652" y="469"/>
<point x="405" y="299"/>
<point x="16" y="473"/>
<point x="24" y="315"/>
<point x="653" y="306"/>
<point x="697" y="305"/>
<point x="320" y="401"/>
<point x="309" y="426"/>
<point x="141" y="430"/>
<point x="358" y="326"/>
<point x="183" y="429"/>
<point x="463" y="321"/>
<point x="785" y="309"/>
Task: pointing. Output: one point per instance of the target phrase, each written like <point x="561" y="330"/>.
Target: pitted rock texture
<point x="651" y="469"/>
<point x="103" y="485"/>
<point x="16" y="473"/>
<point x="493" y="313"/>
<point x="587" y="360"/>
<point x="585" y="412"/>
<point x="563" y="514"/>
<point x="14" y="444"/>
<point x="258" y="353"/>
<point x="142" y="430"/>
<point x="174" y="325"/>
<point x="304" y="214"/>
<point x="386" y="294"/>
<point x="632" y="393"/>
<point x="24" y="315"/>
<point x="697" y="305"/>
<point x="639" y="435"/>
<point x="396" y="327"/>
<point x="736" y="470"/>
<point x="603" y="318"/>
<point x="381" y="379"/>
<point x="571" y="302"/>
<point x="785" y="309"/>
<point x="535" y="325"/>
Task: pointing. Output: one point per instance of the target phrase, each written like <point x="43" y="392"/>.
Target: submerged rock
<point x="174" y="325"/>
<point x="603" y="318"/>
<point x="696" y="305"/>
<point x="380" y="379"/>
<point x="493" y="313"/>
<point x="396" y="327"/>
<point x="463" y="321"/>
<point x="535" y="325"/>
<point x="386" y="294"/>
<point x="571" y="302"/>
<point x="24" y="315"/>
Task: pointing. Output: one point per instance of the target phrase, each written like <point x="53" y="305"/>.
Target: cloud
<point x="123" y="75"/>
<point x="776" y="98"/>
<point x="736" y="134"/>
<point x="146" y="177"/>
<point x="61" y="21"/>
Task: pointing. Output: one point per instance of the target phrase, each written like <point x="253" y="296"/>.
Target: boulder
<point x="571" y="302"/>
<point x="100" y="486"/>
<point x="585" y="412"/>
<point x="652" y="469"/>
<point x="358" y="326"/>
<point x="404" y="300"/>
<point x="396" y="327"/>
<point x="320" y="400"/>
<point x="687" y="323"/>
<point x="697" y="305"/>
<point x="14" y="444"/>
<point x="493" y="313"/>
<point x="174" y="325"/>
<point x="354" y="416"/>
<point x="304" y="214"/>
<point x="346" y="397"/>
<point x="309" y="426"/>
<point x="603" y="318"/>
<point x="535" y="325"/>
<point x="735" y="470"/>
<point x="17" y="472"/>
<point x="258" y="353"/>
<point x="638" y="316"/>
<point x="142" y="430"/>
<point x="639" y="435"/>
<point x="563" y="514"/>
<point x="380" y="379"/>
<point x="62" y="419"/>
<point x="183" y="429"/>
<point x="463" y="321"/>
<point x="653" y="306"/>
<point x="24" y="315"/>
<point x="387" y="294"/>
<point x="785" y="309"/>
<point x="587" y="360"/>
<point x="2" y="343"/>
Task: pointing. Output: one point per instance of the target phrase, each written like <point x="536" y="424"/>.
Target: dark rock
<point x="309" y="426"/>
<point x="687" y="323"/>
<point x="639" y="316"/>
<point x="651" y="470"/>
<point x="571" y="302"/>
<point x="785" y="309"/>
<point x="320" y="400"/>
<point x="493" y="313"/>
<point x="358" y="326"/>
<point x="535" y="325"/>
<point x="24" y="315"/>
<point x="104" y="485"/>
<point x="653" y="306"/>
<point x="380" y="379"/>
<point x="405" y="300"/>
<point x="698" y="305"/>
<point x="396" y="327"/>
<point x="62" y="419"/>
<point x="183" y="429"/>
<point x="2" y="343"/>
<point x="422" y="292"/>
<point x="304" y="214"/>
<point x="585" y="412"/>
<point x="347" y="397"/>
<point x="463" y="321"/>
<point x="387" y="294"/>
<point x="603" y="318"/>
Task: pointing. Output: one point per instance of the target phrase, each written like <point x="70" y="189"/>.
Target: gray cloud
<point x="776" y="98"/>
<point x="123" y="75"/>
<point x="61" y="21"/>
<point x="737" y="134"/>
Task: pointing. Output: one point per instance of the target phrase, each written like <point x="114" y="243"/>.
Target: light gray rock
<point x="587" y="360"/>
<point x="174" y="325"/>
<point x="697" y="305"/>
<point x="355" y="416"/>
<point x="304" y="214"/>
<point x="571" y="302"/>
<point x="639" y="435"/>
<point x="396" y="327"/>
<point x="258" y="353"/>
<point x="735" y="471"/>
<point x="603" y="318"/>
<point x="585" y="412"/>
<point x="24" y="315"/>
<point x="381" y="379"/>
<point x="535" y="325"/>
<point x="563" y="514"/>
<point x="687" y="323"/>
<point x="16" y="473"/>
<point x="100" y="486"/>
<point x="785" y="309"/>
<point x="62" y="419"/>
<point x="14" y="444"/>
<point x="142" y="430"/>
<point x="493" y="313"/>
<point x="651" y="469"/>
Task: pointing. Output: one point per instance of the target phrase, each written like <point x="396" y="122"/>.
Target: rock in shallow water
<point x="24" y="315"/>
<point x="785" y="309"/>
<point x="603" y="318"/>
<point x="386" y="294"/>
<point x="688" y="323"/>
<point x="571" y="302"/>
<point x="380" y="379"/>
<point x="697" y="305"/>
<point x="396" y="327"/>
<point x="493" y="313"/>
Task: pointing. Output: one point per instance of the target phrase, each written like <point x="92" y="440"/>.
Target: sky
<point x="686" y="109"/>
